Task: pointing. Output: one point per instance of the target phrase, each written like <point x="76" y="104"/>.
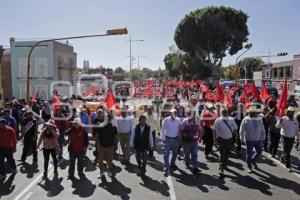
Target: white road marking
<point x="27" y="196"/>
<point x="282" y="165"/>
<point x="26" y="190"/>
<point x="171" y="186"/>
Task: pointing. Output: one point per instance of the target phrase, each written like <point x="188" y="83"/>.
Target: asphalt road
<point x="270" y="181"/>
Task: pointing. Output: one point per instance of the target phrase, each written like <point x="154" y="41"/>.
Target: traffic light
<point x="282" y="54"/>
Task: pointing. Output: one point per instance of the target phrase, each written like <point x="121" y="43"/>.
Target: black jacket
<point x="141" y="141"/>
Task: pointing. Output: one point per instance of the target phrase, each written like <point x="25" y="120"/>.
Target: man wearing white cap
<point x="224" y="128"/>
<point x="289" y="130"/>
<point x="125" y="125"/>
<point x="170" y="133"/>
<point x="253" y="132"/>
<point x="78" y="143"/>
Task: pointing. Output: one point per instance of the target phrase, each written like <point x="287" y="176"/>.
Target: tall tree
<point x="119" y="70"/>
<point x="251" y="65"/>
<point x="208" y="34"/>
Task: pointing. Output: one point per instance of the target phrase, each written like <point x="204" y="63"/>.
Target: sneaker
<point x="109" y="174"/>
<point x="290" y="169"/>
<point x="102" y="175"/>
<point x="187" y="165"/>
<point x="2" y="177"/>
<point x="174" y="167"/>
<point x="250" y="171"/>
<point x="71" y="176"/>
<point x="255" y="165"/>
<point x="196" y="170"/>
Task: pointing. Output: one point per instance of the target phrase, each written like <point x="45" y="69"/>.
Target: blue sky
<point x="272" y="24"/>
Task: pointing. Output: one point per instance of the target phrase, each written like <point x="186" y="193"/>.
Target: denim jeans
<point x="8" y="154"/>
<point x="275" y="138"/>
<point x="171" y="144"/>
<point x="191" y="150"/>
<point x="250" y="155"/>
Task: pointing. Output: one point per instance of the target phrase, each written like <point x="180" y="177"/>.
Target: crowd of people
<point x="181" y="128"/>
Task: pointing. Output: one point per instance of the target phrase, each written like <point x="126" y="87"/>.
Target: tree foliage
<point x="251" y="65"/>
<point x="207" y="34"/>
<point x="182" y="65"/>
<point x="119" y="70"/>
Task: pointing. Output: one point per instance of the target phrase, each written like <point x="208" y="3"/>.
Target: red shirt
<point x="7" y="137"/>
<point x="78" y="139"/>
<point x="208" y="118"/>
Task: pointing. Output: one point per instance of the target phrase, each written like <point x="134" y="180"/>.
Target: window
<point x="43" y="91"/>
<point x="275" y="72"/>
<point x="267" y="73"/>
<point x="22" y="66"/>
<point x="288" y="72"/>
<point x="41" y="67"/>
<point x="23" y="91"/>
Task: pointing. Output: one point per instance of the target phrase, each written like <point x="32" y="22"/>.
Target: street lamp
<point x="247" y="48"/>
<point x="118" y="31"/>
<point x="139" y="65"/>
<point x="130" y="56"/>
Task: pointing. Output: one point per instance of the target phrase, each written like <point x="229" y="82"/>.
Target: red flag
<point x="228" y="103"/>
<point x="203" y="88"/>
<point x="254" y="92"/>
<point x="93" y="90"/>
<point x="209" y="97"/>
<point x="36" y="95"/>
<point x="110" y="100"/>
<point x="219" y="96"/>
<point x="264" y="93"/>
<point x="56" y="102"/>
<point x="282" y="104"/>
<point x="87" y="92"/>
<point x="149" y="91"/>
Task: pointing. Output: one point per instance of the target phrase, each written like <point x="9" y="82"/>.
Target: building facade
<point x="6" y="75"/>
<point x="275" y="73"/>
<point x="51" y="63"/>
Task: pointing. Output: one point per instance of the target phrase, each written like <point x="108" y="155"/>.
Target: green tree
<point x="208" y="34"/>
<point x="251" y="65"/>
<point x="119" y="70"/>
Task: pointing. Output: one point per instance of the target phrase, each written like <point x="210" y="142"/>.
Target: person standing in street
<point x="10" y="120"/>
<point x="152" y="121"/>
<point x="78" y="143"/>
<point x="191" y="134"/>
<point x="61" y="123"/>
<point x="289" y="130"/>
<point x="170" y="132"/>
<point x="7" y="148"/>
<point x="29" y="130"/>
<point x="141" y="141"/>
<point x="274" y="133"/>
<point x="253" y="132"/>
<point x="48" y="137"/>
<point x="125" y="125"/>
<point x="208" y="118"/>
<point x="106" y="137"/>
<point x="224" y="127"/>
